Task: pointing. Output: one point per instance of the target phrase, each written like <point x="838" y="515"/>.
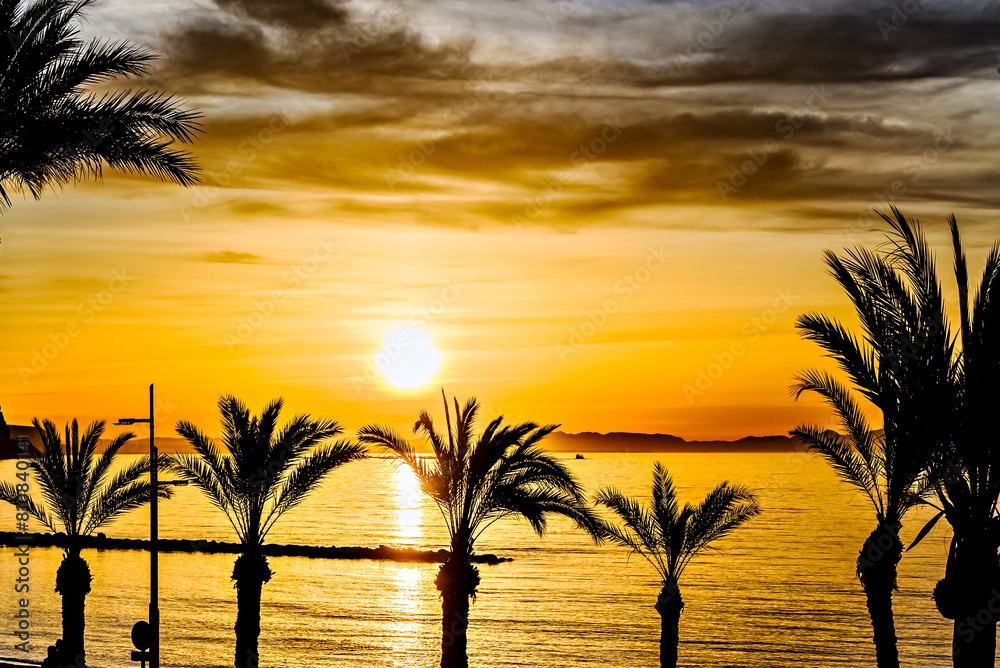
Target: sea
<point x="780" y="591"/>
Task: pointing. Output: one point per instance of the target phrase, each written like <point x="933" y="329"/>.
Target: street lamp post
<point x="154" y="573"/>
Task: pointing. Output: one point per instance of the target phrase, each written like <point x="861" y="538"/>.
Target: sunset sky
<point x="551" y="189"/>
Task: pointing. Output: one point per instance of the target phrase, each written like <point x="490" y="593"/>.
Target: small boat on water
<point x="579" y="456"/>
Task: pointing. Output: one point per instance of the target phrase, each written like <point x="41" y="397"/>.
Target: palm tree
<point x="669" y="537"/>
<point x="903" y="367"/>
<point x="476" y="482"/>
<point x="80" y="496"/>
<point x="967" y="477"/>
<point x="263" y="473"/>
<point x="52" y="132"/>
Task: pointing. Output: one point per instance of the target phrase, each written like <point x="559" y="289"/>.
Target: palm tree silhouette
<point x="475" y="482"/>
<point x="967" y="475"/>
<point x="902" y="366"/>
<point x="669" y="537"/>
<point x="263" y="473"/>
<point x="80" y="496"/>
<point x="52" y="132"/>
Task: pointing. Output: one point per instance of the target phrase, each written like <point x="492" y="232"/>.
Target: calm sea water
<point x="780" y="592"/>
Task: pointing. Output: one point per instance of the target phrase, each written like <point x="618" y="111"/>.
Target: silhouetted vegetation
<point x="475" y="482"/>
<point x="80" y="496"/>
<point x="264" y="472"/>
<point x="52" y="131"/>
<point x="905" y="381"/>
<point x="669" y="537"/>
<point x="938" y="438"/>
<point x="966" y="472"/>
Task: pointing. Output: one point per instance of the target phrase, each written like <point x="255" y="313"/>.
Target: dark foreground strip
<point x="382" y="552"/>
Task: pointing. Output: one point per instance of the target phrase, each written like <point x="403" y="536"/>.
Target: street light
<point x="154" y="574"/>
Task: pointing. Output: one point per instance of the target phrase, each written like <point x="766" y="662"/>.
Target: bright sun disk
<point x="408" y="358"/>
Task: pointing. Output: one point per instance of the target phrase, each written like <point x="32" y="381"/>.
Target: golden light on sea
<point x="409" y="509"/>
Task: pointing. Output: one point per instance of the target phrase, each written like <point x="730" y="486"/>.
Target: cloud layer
<point x="771" y="102"/>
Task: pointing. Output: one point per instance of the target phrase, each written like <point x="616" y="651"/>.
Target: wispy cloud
<point x="228" y="257"/>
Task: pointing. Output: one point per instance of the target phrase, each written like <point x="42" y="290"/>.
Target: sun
<point x="408" y="358"/>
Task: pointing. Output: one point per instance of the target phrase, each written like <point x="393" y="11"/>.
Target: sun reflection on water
<point x="409" y="511"/>
<point x="407" y="578"/>
<point x="406" y="641"/>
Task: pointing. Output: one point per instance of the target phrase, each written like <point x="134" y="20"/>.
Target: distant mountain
<point x="137" y="446"/>
<point x="589" y="441"/>
<point x="140" y="446"/>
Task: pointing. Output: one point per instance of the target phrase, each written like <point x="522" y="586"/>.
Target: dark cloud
<point x="516" y="146"/>
<point x="254" y="208"/>
<point x="844" y="48"/>
<point x="664" y="47"/>
<point x="380" y="56"/>
<point x="407" y="106"/>
<point x="298" y="14"/>
<point x="315" y="46"/>
<point x="597" y="166"/>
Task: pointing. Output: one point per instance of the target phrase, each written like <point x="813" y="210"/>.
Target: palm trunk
<point x="974" y="643"/>
<point x="969" y="594"/>
<point x="877" y="570"/>
<point x="669" y="604"/>
<point x="251" y="572"/>
<point x="457" y="581"/>
<point x="73" y="581"/>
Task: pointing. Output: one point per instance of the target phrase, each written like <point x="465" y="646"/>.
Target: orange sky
<point x="541" y="194"/>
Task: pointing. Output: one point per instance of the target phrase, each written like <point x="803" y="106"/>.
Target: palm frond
<point x="9" y="494"/>
<point x="111" y="503"/>
<point x="307" y="474"/>
<point x="268" y="470"/>
<point x="642" y="532"/>
<point x="476" y="482"/>
<point x="724" y="509"/>
<point x="668" y="537"/>
<point x="77" y="490"/>
<point x="53" y="132"/>
<point x="844" y="459"/>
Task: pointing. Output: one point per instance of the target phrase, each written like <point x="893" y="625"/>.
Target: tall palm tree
<point x="79" y="496"/>
<point x="476" y="482"/>
<point x="52" y="131"/>
<point x="263" y="473"/>
<point x="967" y="478"/>
<point x="669" y="537"/>
<point x="903" y="366"/>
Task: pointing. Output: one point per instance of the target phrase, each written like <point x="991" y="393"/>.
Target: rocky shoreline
<point x="102" y="542"/>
